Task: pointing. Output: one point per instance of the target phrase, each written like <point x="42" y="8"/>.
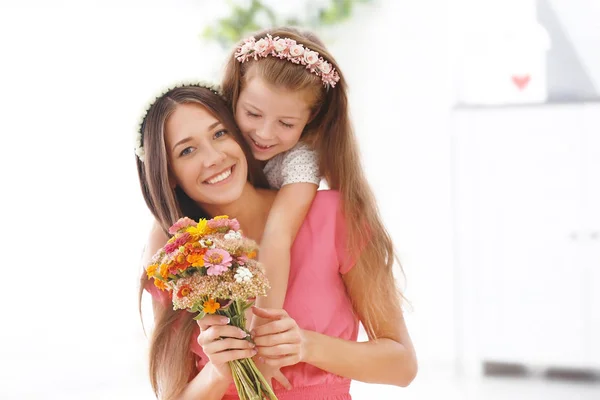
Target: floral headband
<point x="139" y="139"/>
<point x="288" y="49"/>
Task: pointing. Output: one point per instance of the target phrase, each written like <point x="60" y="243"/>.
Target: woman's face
<point x="271" y="118"/>
<point x="204" y="158"/>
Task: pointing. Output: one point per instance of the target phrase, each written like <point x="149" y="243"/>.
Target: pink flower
<point x="232" y="224"/>
<point x="261" y="46"/>
<point x="311" y="57"/>
<point x="280" y="45"/>
<point x="215" y="270"/>
<point x="325" y="67"/>
<point x="242" y="260"/>
<point x="217" y="261"/>
<point x="181" y="224"/>
<point x="218" y="223"/>
<point x="177" y="243"/>
<point x="296" y="50"/>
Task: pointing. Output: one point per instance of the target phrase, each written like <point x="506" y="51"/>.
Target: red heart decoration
<point x="521" y="80"/>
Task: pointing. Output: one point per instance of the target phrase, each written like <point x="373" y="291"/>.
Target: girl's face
<point x="204" y="159"/>
<point x="271" y="118"/>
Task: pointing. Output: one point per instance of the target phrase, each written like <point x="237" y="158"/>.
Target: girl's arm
<point x="285" y="218"/>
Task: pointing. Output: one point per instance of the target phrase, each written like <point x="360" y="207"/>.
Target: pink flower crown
<point x="288" y="49"/>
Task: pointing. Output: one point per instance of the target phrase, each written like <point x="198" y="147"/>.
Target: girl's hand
<point x="223" y="343"/>
<point x="280" y="342"/>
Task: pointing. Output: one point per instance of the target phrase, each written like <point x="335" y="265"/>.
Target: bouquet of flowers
<point x="210" y="268"/>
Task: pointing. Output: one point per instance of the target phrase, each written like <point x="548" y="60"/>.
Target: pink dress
<point x="316" y="298"/>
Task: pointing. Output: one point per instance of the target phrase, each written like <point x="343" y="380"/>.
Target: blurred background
<point x="479" y="126"/>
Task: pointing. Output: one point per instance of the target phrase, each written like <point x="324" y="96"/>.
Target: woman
<point x="195" y="163"/>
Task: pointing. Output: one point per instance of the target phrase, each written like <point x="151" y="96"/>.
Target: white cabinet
<point x="591" y="244"/>
<point x="527" y="203"/>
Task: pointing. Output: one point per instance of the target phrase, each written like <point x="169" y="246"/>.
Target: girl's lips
<point x="260" y="147"/>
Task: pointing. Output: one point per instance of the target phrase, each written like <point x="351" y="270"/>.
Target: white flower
<point x="296" y="50"/>
<point x="246" y="48"/>
<point x="280" y="44"/>
<point x="261" y="46"/>
<point x="140" y="153"/>
<point x="232" y="235"/>
<point x="207" y="244"/>
<point x="325" y="67"/>
<point x="242" y="274"/>
<point x="311" y="57"/>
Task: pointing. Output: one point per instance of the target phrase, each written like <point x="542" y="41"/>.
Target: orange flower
<point x="160" y="284"/>
<point x="151" y="270"/>
<point x="164" y="270"/>
<point x="195" y="259"/>
<point x="211" y="306"/>
<point x="252" y="254"/>
<point x="184" y="291"/>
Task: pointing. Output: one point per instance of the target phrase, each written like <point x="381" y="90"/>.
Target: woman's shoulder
<point x="326" y="200"/>
<point x="325" y="205"/>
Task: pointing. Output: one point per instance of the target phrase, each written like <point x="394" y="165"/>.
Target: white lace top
<point x="297" y="165"/>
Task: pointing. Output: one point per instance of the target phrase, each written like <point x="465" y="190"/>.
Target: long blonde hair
<point x="171" y="360"/>
<point x="330" y="133"/>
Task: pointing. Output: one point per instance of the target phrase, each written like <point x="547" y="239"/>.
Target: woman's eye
<point x="186" y="151"/>
<point x="286" y="125"/>
<point x="251" y="114"/>
<point x="220" y="133"/>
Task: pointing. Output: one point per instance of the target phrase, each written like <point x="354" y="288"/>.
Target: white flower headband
<point x="288" y="49"/>
<point x="139" y="139"/>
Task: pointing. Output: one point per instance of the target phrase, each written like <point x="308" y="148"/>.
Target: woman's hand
<point x="280" y="342"/>
<point x="223" y="343"/>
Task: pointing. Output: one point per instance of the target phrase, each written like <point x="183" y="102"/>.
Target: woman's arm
<point x="391" y="359"/>
<point x="221" y="343"/>
<point x="207" y="385"/>
<point x="388" y="360"/>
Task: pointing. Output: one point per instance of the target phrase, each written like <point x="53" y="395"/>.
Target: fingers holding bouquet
<point x="280" y="342"/>
<point x="223" y="343"/>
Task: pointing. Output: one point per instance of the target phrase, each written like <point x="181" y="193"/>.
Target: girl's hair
<point x="171" y="360"/>
<point x="330" y="133"/>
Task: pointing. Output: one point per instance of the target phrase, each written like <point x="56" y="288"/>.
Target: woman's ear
<point x="172" y="181"/>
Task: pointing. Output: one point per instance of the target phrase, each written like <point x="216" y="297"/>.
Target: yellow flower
<point x="160" y="284"/>
<point x="211" y="306"/>
<point x="199" y="230"/>
<point x="221" y="217"/>
<point x="151" y="270"/>
<point x="196" y="260"/>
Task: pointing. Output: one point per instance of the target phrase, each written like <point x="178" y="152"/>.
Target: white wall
<point x="72" y="81"/>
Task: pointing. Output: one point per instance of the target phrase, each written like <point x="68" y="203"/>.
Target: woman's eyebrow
<point x="187" y="139"/>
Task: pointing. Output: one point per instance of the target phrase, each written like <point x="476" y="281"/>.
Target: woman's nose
<point x="213" y="156"/>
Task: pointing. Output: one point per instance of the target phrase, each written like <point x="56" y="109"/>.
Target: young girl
<point x="188" y="141"/>
<point x="289" y="99"/>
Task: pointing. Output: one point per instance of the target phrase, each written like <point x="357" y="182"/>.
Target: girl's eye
<point x="220" y="133"/>
<point x="251" y="114"/>
<point x="186" y="151"/>
<point x="286" y="125"/>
